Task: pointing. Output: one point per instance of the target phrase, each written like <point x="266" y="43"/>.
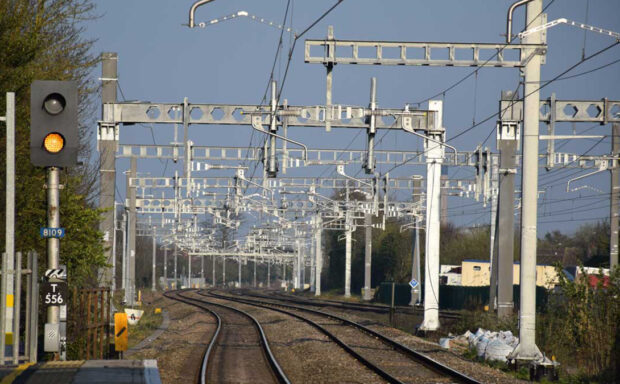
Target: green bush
<point x="580" y="327"/>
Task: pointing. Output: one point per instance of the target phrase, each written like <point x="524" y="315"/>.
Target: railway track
<point x="238" y="350"/>
<point x="393" y="361"/>
<point x="361" y="307"/>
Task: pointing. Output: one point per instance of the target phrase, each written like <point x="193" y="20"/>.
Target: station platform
<point x="85" y="372"/>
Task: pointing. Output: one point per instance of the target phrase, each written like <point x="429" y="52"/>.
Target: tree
<point x="41" y="40"/>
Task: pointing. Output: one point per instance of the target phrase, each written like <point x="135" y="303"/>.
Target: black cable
<point x="483" y="65"/>
<point x="515" y="101"/>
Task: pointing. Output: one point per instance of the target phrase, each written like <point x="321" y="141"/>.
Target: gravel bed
<point x="180" y="348"/>
<point x="305" y="354"/>
<point x="477" y="371"/>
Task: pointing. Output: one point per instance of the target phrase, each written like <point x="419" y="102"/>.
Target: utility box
<point x="51" y="338"/>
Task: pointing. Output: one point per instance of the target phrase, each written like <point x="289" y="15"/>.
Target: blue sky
<point x="161" y="60"/>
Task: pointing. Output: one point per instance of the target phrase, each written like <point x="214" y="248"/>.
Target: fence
<point x="453" y="297"/>
<point x="11" y="304"/>
<point x="89" y="323"/>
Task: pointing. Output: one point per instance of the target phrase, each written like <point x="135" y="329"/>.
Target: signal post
<point x="53" y="144"/>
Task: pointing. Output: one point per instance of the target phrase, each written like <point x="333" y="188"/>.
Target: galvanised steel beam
<point x="330" y="52"/>
<point x="574" y="111"/>
<point x="295" y="116"/>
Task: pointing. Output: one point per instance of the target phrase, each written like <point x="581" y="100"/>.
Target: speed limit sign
<point x="54" y="293"/>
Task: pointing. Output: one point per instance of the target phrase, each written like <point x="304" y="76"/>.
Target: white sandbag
<point x="444" y="342"/>
<point x="481" y="346"/>
<point x="497" y="350"/>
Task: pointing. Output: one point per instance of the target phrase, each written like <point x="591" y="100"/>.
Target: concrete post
<point x="154" y="268"/>
<point x="254" y="262"/>
<point x="130" y="290"/>
<point x="312" y="255"/>
<point x="507" y="143"/>
<point x="416" y="293"/>
<point x="239" y="270"/>
<point x="176" y="282"/>
<point x="527" y="349"/>
<point x="107" y="143"/>
<point x="6" y="312"/>
<point x="213" y="280"/>
<point x="493" y="167"/>
<point x="319" y="254"/>
<point x="124" y="254"/>
<point x="367" y="254"/>
<point x="165" y="268"/>
<point x="268" y="273"/>
<point x="615" y="191"/>
<point x="224" y="271"/>
<point x="296" y="274"/>
<point x="347" y="262"/>
<point x="434" y="159"/>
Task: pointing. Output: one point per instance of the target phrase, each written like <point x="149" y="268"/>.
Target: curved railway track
<point x="393" y="361"/>
<point x="238" y="350"/>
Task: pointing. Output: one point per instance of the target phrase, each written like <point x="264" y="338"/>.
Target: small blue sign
<point x="47" y="233"/>
<point x="414" y="283"/>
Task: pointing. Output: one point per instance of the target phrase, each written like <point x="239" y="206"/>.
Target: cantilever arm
<point x="257" y="124"/>
<point x="192" y="10"/>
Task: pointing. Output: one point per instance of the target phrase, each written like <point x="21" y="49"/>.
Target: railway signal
<point x="53" y="123"/>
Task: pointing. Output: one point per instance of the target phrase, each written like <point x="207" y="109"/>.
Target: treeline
<point x="392" y="251"/>
<point x="42" y="40"/>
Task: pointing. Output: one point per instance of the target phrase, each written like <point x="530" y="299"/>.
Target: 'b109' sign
<point x="52" y="232"/>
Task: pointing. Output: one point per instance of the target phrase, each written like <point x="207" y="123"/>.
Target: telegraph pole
<point x="527" y="349"/>
<point x="615" y="190"/>
<point x="108" y="140"/>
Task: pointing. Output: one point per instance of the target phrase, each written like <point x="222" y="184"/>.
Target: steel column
<point x="527" y="349"/>
<point x="615" y="190"/>
<point x="53" y="221"/>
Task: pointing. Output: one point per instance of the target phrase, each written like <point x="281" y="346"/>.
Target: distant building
<point x="476" y="273"/>
<point x="594" y="275"/>
<point x="450" y="275"/>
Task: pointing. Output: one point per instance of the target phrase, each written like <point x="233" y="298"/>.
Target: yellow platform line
<point x="13" y="375"/>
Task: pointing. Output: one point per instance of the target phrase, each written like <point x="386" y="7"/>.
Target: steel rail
<point x="207" y="354"/>
<point x="321" y="329"/>
<point x="362" y="307"/>
<point x="417" y="356"/>
<point x="276" y="369"/>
